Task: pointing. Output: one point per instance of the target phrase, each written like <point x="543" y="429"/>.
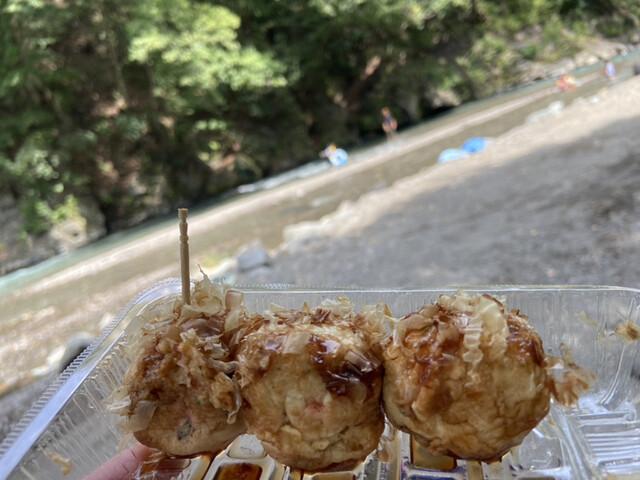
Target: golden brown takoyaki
<point x="466" y="377"/>
<point x="311" y="381"/>
<point x="179" y="394"/>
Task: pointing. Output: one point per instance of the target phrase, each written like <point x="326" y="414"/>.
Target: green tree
<point x="194" y="66"/>
<point x="145" y="103"/>
<point x="38" y="135"/>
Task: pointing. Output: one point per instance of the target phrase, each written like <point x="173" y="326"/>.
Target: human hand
<point x="123" y="464"/>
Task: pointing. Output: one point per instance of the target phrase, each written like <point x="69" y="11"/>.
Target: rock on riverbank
<point x="19" y="249"/>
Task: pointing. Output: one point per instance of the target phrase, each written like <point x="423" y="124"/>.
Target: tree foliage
<point x="142" y="104"/>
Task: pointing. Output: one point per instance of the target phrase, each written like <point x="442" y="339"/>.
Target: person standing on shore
<point x="389" y="124"/>
<point x="610" y="70"/>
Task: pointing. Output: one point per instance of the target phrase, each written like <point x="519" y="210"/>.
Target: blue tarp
<point x="475" y="145"/>
<point x="338" y="158"/>
<point x="451" y="154"/>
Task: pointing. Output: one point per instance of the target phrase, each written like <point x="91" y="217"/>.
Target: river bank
<point x="552" y="201"/>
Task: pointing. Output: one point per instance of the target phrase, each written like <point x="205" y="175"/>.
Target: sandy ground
<point x="554" y="201"/>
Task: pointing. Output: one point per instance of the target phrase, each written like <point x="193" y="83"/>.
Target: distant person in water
<point x="328" y="151"/>
<point x="610" y="70"/>
<point x="389" y="124"/>
<point x="636" y="69"/>
<point x="566" y="82"/>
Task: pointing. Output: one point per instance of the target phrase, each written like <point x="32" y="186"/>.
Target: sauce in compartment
<point x="160" y="466"/>
<point x="238" y="471"/>
<point x="331" y="476"/>
<point x="422" y="459"/>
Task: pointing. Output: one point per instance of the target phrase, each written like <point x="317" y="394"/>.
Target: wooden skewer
<point x="184" y="256"/>
<point x="474" y="470"/>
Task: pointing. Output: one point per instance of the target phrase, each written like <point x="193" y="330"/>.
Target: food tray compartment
<point x="69" y="433"/>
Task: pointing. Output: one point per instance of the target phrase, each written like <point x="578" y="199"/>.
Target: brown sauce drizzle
<point x="340" y="375"/>
<point x="205" y="326"/>
<point x="431" y="348"/>
<point x="430" y="355"/>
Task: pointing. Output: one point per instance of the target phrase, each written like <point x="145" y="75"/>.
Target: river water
<point x="42" y="306"/>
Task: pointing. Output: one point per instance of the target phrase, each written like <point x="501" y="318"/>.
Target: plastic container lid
<point x="69" y="433"/>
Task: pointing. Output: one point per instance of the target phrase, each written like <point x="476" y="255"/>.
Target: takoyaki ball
<point x="311" y="381"/>
<point x="466" y="377"/>
<point x="179" y="394"/>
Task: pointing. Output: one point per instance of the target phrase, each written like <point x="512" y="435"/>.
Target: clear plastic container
<point x="68" y="433"/>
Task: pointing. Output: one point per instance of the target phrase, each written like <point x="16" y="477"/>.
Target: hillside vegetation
<point x="114" y="112"/>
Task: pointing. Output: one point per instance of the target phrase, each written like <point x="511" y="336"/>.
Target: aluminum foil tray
<point x="69" y="433"/>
